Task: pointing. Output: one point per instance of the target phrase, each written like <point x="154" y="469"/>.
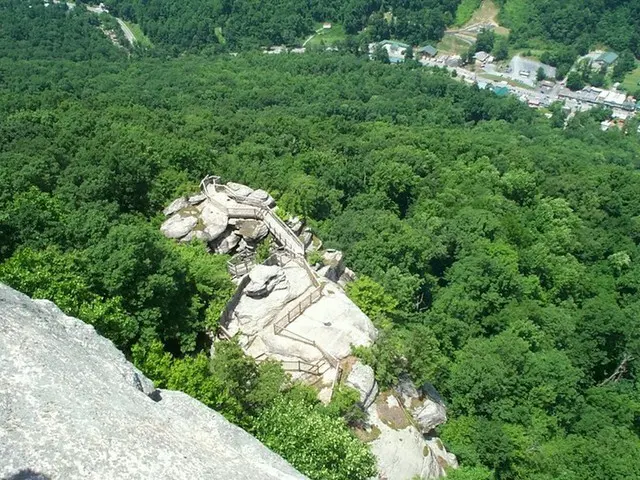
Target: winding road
<point x="125" y="29"/>
<point x="127" y="32"/>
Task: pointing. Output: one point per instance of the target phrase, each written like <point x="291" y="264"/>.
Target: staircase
<point x="255" y="209"/>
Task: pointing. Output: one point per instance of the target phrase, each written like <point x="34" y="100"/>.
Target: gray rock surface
<point x="178" y="225"/>
<point x="306" y="238"/>
<point x="197" y="199"/>
<point x="295" y="224"/>
<point x="196" y="235"/>
<point x="264" y="279"/>
<point x="175" y="206"/>
<point x="252" y="230"/>
<point x="425" y="405"/>
<point x="262" y="196"/>
<point x="239" y="189"/>
<point x="401" y="450"/>
<point x="363" y="380"/>
<point x="333" y="265"/>
<point x="228" y="243"/>
<point x="72" y="407"/>
<point x="214" y="220"/>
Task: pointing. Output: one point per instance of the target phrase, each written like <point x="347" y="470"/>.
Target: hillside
<point x="496" y="249"/>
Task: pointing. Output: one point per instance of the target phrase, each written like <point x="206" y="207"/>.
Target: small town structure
<point x="481" y="56"/>
<point x="428" y="51"/>
<point x="606" y="59"/>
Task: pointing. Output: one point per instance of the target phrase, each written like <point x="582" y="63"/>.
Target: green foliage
<point x="497" y="250"/>
<point x="485" y="41"/>
<point x="263" y="250"/>
<point x="575" y="81"/>
<point x="55" y="276"/>
<point x="320" y="447"/>
<point x="470" y="473"/>
<point x="626" y="63"/>
<point x="315" y="258"/>
<point x="577" y="24"/>
<point x="345" y="403"/>
<point x="371" y="297"/>
<point x="465" y="10"/>
<point x="500" y="49"/>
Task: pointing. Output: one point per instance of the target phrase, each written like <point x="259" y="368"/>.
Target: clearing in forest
<point x="486" y="13"/>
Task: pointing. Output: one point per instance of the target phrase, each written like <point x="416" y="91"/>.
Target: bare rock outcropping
<point x="299" y="314"/>
<point x="72" y="407"/>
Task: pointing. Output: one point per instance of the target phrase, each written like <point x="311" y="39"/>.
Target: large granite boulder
<point x="264" y="279"/>
<point x="175" y="206"/>
<point x="239" y="190"/>
<point x="425" y="405"/>
<point x="72" y="407"/>
<point x="295" y="224"/>
<point x="228" y="242"/>
<point x="333" y="265"/>
<point x="178" y="225"/>
<point x="362" y="378"/>
<point x="263" y="197"/>
<point x="214" y="221"/>
<point x="252" y="230"/>
<point x="402" y="451"/>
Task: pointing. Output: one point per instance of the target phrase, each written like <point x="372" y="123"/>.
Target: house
<point x="326" y="26"/>
<point x="396" y="50"/>
<point x="428" y="51"/>
<point x="481" y="56"/>
<point x="501" y="91"/>
<point x="607" y="58"/>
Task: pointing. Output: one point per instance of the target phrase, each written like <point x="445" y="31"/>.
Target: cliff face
<point x="71" y="406"/>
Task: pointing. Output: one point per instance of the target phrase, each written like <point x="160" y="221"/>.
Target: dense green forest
<point x="248" y="24"/>
<point x="580" y="24"/>
<point x="497" y="251"/>
<point x="559" y="26"/>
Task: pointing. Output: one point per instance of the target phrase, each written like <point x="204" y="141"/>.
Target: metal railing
<point x="301" y="304"/>
<point x="237" y="267"/>
<point x="294" y="365"/>
<point x="286" y="237"/>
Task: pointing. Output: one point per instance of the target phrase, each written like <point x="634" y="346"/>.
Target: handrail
<point x="224" y="333"/>
<point x="285" y="319"/>
<point x="312" y="274"/>
<point x="293" y="365"/>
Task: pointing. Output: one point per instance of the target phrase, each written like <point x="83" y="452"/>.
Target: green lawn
<point x="630" y="83"/>
<point x="142" y="39"/>
<point x="329" y="37"/>
<point x="451" y="44"/>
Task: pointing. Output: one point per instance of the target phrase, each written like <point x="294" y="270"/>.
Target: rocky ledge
<point x="72" y="407"/>
<point x="299" y="314"/>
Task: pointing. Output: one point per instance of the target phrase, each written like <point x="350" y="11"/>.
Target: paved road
<point x="127" y="32"/>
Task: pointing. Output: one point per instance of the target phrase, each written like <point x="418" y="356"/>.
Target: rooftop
<point x="608" y="57"/>
<point x="393" y="43"/>
<point x="429" y="50"/>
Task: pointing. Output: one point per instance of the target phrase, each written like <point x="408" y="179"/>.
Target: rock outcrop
<point x="287" y="311"/>
<point x="72" y="407"/>
<point x="362" y="378"/>
<point x="402" y="450"/>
